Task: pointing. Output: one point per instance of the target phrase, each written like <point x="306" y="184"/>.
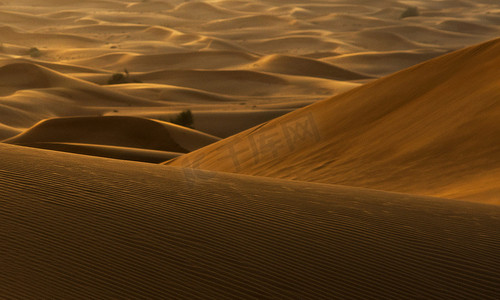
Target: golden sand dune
<point x="382" y="62"/>
<point x="116" y="131"/>
<point x="229" y="53"/>
<point x="431" y="129"/>
<point x="183" y="60"/>
<point x="100" y="77"/>
<point x="81" y="227"/>
<point x="116" y="152"/>
<point x="304" y="67"/>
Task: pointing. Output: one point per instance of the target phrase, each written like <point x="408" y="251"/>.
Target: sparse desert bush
<point x="410" y="12"/>
<point x="185" y="118"/>
<point x="118" y="78"/>
<point x="34" y="52"/>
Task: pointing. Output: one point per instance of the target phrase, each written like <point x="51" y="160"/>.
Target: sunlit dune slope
<point x="122" y="131"/>
<point x="431" y="129"/>
<point x="82" y="227"/>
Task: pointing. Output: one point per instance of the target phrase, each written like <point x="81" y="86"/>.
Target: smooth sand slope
<point x="121" y="131"/>
<point x="432" y="130"/>
<point x="82" y="227"/>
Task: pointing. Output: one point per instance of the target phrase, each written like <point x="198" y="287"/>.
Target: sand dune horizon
<point x="430" y="130"/>
<point x="231" y="149"/>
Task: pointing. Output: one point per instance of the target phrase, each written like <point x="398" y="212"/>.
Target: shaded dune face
<point x="84" y="227"/>
<point x="431" y="129"/>
<point x="116" y="131"/>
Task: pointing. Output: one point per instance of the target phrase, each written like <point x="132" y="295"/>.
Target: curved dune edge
<point x="124" y="131"/>
<point x="83" y="227"/>
<point x="431" y="129"/>
<point x="123" y="153"/>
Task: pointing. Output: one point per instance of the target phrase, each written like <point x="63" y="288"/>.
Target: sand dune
<point x="429" y="130"/>
<point x="101" y="77"/>
<point x="224" y="52"/>
<point x="83" y="227"/>
<point x="122" y="153"/>
<point x="187" y="60"/>
<point x="383" y="62"/>
<point x="304" y="67"/>
<point x="116" y="131"/>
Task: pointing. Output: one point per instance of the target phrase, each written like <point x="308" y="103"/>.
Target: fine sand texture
<point x="81" y="227"/>
<point x="432" y="129"/>
<point x="332" y="149"/>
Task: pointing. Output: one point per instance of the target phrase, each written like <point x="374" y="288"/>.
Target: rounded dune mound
<point x="381" y="40"/>
<point x="202" y="10"/>
<point x="103" y="28"/>
<point x="322" y="9"/>
<point x="104" y="60"/>
<point x="9" y="35"/>
<point x="209" y="59"/>
<point x="169" y="93"/>
<point x="246" y="22"/>
<point x="431" y="129"/>
<point x="60" y="67"/>
<point x="152" y="6"/>
<point x="301" y="66"/>
<point x="92" y="228"/>
<point x="121" y="131"/>
<point x="219" y="81"/>
<point x="426" y="35"/>
<point x="292" y="45"/>
<point x="465" y="27"/>
<point x="30" y="77"/>
<point x="346" y="22"/>
<point x="22" y="19"/>
<point x="375" y="63"/>
<point x="66" y="14"/>
<point x="26" y="75"/>
<point x="158" y="33"/>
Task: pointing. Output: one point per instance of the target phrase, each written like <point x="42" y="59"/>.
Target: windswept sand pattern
<point x="82" y="227"/>
<point x="230" y="149"/>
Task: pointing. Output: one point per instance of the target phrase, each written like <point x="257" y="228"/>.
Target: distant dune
<point x="275" y="192"/>
<point x="56" y="57"/>
<point x="116" y="131"/>
<point x="431" y="129"/>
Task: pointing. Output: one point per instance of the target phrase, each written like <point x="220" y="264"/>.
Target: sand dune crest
<point x="409" y="132"/>
<point x="115" y="131"/>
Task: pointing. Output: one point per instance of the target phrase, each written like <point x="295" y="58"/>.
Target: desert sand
<point x="81" y="227"/>
<point x="341" y="149"/>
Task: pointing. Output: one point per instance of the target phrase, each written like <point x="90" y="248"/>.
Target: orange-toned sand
<point x="366" y="214"/>
<point x="433" y="129"/>
<point x="83" y="227"/>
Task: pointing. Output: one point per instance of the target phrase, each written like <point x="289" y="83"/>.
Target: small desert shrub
<point x="34" y="52"/>
<point x="118" y="78"/>
<point x="185" y="118"/>
<point x="410" y="12"/>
